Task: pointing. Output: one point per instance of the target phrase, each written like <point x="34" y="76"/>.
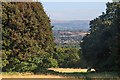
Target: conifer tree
<point x="27" y="37"/>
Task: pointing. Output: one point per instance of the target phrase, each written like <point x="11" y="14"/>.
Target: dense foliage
<point x="67" y="57"/>
<point x="101" y="48"/>
<point x="27" y="37"/>
<point x="0" y="36"/>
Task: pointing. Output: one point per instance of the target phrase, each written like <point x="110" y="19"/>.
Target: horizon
<point x="70" y="20"/>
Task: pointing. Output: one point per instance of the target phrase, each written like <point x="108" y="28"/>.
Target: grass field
<point x="65" y="73"/>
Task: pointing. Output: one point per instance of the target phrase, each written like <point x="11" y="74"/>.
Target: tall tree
<point x="27" y="37"/>
<point x="100" y="48"/>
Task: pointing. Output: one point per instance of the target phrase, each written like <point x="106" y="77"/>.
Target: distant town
<point x="69" y="33"/>
<point x="68" y="37"/>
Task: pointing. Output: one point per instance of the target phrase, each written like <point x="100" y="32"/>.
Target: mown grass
<point x="75" y="75"/>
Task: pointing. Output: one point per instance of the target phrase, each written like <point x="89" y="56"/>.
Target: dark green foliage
<point x="0" y="25"/>
<point x="101" y="48"/>
<point x="27" y="37"/>
<point x="67" y="57"/>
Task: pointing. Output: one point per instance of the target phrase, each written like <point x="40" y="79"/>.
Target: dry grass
<point x="29" y="75"/>
<point x="63" y="73"/>
<point x="69" y="70"/>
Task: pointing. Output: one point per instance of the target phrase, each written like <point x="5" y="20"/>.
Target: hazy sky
<point x="74" y="10"/>
<point x="75" y="0"/>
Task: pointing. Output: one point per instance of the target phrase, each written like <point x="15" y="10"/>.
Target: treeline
<point x="67" y="57"/>
<point x="101" y="48"/>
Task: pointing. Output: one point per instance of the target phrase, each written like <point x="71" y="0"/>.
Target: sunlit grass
<point x="65" y="73"/>
<point x="68" y="70"/>
<point x="27" y="75"/>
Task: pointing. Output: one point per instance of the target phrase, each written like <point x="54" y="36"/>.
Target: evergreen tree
<point x="27" y="37"/>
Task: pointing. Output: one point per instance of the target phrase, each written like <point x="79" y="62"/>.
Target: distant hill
<point x="71" y="25"/>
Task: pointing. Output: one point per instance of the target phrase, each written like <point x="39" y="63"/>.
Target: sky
<point x="75" y="0"/>
<point x="73" y="10"/>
